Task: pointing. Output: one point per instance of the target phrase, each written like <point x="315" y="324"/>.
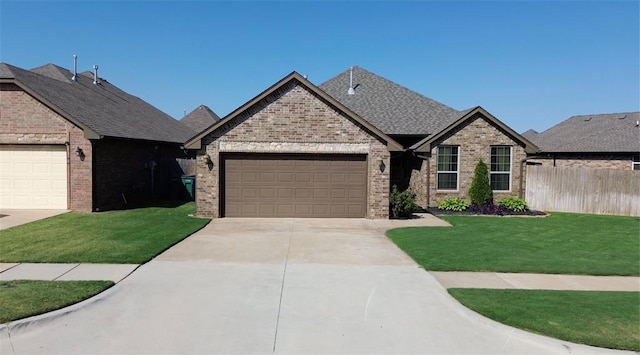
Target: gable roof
<point x="530" y="134"/>
<point x="392" y="108"/>
<point x="425" y="145"/>
<point x="265" y="96"/>
<point x="101" y="110"/>
<point x="604" y="133"/>
<point x="200" y="119"/>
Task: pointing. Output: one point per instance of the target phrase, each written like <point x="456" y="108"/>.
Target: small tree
<point x="402" y="203"/>
<point x="480" y="190"/>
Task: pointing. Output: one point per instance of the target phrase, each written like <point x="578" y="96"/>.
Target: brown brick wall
<point x="592" y="161"/>
<point x="25" y="120"/>
<point x="474" y="139"/>
<point x="293" y="120"/>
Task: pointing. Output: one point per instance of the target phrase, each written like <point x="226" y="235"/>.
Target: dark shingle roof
<point x="530" y="134"/>
<point x="392" y="108"/>
<point x="103" y="108"/>
<point x="200" y="119"/>
<point x="605" y="133"/>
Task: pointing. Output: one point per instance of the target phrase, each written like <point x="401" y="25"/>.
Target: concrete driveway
<point x="284" y="286"/>
<point x="12" y="218"/>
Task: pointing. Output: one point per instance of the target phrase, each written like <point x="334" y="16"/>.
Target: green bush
<point x="514" y="204"/>
<point x="453" y="204"/>
<point x="402" y="203"/>
<point x="480" y="190"/>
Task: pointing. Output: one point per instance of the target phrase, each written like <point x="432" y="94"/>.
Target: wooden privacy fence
<point x="583" y="190"/>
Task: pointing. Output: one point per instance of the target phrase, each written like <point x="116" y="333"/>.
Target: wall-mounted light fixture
<point x="382" y="166"/>
<point x="208" y="161"/>
<point x="79" y="153"/>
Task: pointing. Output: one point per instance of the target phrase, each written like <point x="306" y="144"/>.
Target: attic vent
<point x="587" y="119"/>
<point x="622" y="117"/>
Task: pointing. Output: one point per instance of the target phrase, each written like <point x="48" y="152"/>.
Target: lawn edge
<point x="20" y="325"/>
<point x="532" y="331"/>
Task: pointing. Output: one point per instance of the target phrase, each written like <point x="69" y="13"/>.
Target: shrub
<point x="480" y="191"/>
<point x="402" y="203"/>
<point x="514" y="204"/>
<point x="453" y="204"/>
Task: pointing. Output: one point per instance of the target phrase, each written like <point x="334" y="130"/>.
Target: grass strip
<point x="562" y="243"/>
<point x="24" y="298"/>
<point x="128" y="237"/>
<point x="603" y="319"/>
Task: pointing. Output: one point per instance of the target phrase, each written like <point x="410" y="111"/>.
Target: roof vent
<point x="637" y="123"/>
<point x="75" y="68"/>
<point x="95" y="75"/>
<point x="587" y="119"/>
<point x="351" y="91"/>
<point x="622" y="117"/>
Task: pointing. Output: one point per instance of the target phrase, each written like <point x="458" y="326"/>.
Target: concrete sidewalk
<point x="536" y="281"/>
<point x="65" y="272"/>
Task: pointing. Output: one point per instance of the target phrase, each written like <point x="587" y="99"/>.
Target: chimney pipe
<point x="95" y="75"/>
<point x="351" y="91"/>
<point x="75" y="68"/>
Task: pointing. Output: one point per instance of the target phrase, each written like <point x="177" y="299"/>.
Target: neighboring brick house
<point x="604" y="141"/>
<point x="200" y="119"/>
<point x="80" y="144"/>
<point x="299" y="150"/>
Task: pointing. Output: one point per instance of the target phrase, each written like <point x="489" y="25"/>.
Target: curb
<point x="553" y="344"/>
<point x="20" y="325"/>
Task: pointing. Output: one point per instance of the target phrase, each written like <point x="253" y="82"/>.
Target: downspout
<point x="521" y="192"/>
<point x="68" y="144"/>
<point x="428" y="162"/>
<point x="428" y="182"/>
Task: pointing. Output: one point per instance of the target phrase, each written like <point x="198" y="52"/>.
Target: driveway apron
<point x="283" y="286"/>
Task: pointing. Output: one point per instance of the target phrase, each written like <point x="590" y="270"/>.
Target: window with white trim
<point x="500" y="168"/>
<point x="447" y="178"/>
<point x="636" y="162"/>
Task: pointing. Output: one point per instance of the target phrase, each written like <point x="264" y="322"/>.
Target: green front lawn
<point x="20" y="299"/>
<point x="604" y="319"/>
<point x="562" y="243"/>
<point x="130" y="236"/>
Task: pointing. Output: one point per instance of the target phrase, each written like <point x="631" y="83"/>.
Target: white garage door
<point x="33" y="177"/>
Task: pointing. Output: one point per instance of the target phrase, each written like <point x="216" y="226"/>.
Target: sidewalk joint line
<point x="66" y="272"/>
<point x="284" y="274"/>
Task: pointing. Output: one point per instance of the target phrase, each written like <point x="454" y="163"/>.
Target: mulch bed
<point x="492" y="211"/>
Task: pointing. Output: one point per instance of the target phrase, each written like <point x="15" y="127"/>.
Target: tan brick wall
<point x="25" y="120"/>
<point x="293" y="120"/>
<point x="474" y="139"/>
<point x="591" y="161"/>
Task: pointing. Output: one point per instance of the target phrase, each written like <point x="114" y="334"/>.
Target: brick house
<point x="80" y="144"/>
<point x="605" y="141"/>
<point x="336" y="149"/>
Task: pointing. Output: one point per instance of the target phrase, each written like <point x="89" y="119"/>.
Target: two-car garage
<point x="294" y="185"/>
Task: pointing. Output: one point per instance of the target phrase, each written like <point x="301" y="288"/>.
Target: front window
<point x="447" y="167"/>
<point x="636" y="162"/>
<point x="500" y="168"/>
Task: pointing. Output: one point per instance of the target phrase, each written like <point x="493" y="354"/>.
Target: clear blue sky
<point x="531" y="64"/>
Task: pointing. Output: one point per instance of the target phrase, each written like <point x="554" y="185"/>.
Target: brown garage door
<point x="276" y="185"/>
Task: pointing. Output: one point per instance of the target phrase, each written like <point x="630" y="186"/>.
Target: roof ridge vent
<point x="95" y="75"/>
<point x="351" y="91"/>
